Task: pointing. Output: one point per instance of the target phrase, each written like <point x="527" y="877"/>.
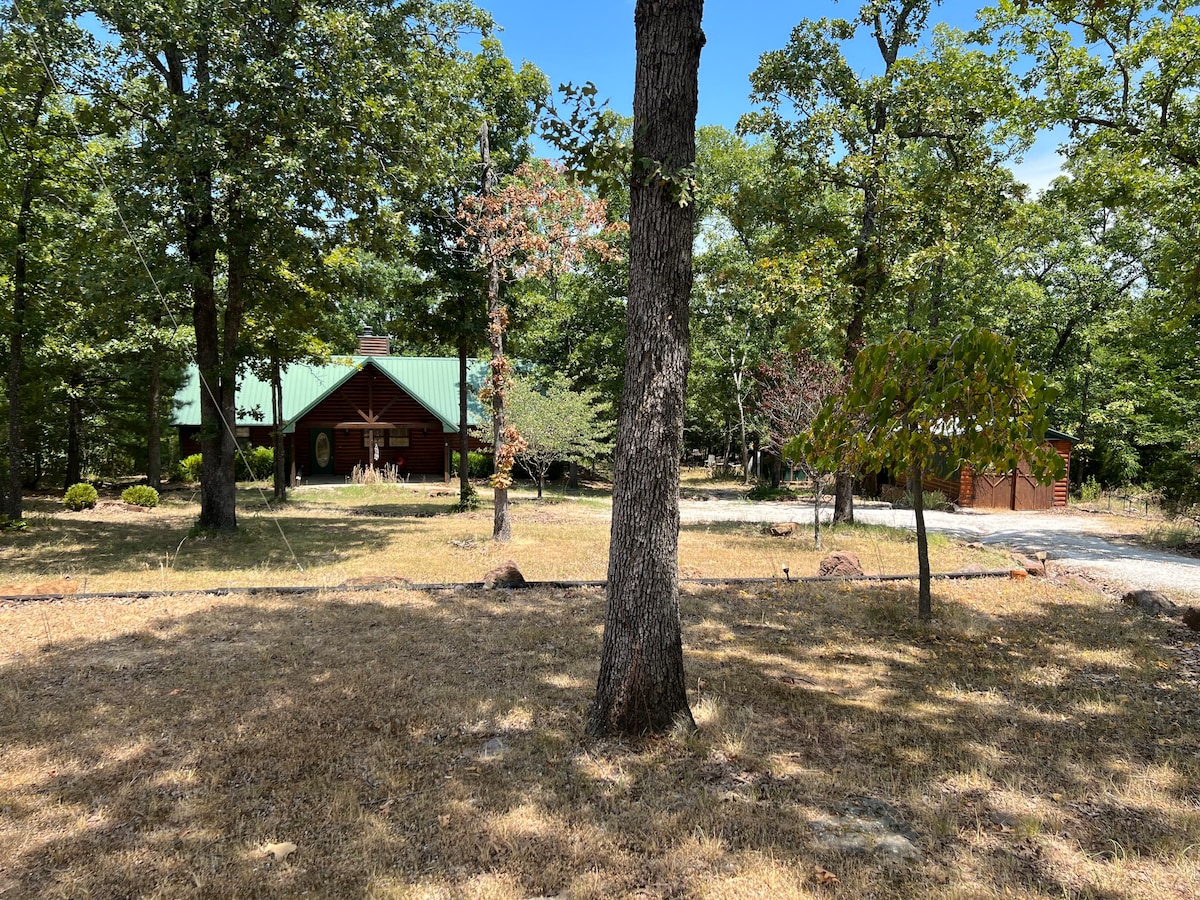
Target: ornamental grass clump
<point x="140" y="495"/>
<point x="80" y="496"/>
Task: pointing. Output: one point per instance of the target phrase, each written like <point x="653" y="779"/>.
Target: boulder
<point x="1152" y="603"/>
<point x="784" y="529"/>
<point x="1191" y="618"/>
<point x="506" y="575"/>
<point x="1033" y="566"/>
<point x="840" y="563"/>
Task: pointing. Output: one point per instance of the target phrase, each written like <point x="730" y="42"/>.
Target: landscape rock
<point x="1191" y="618"/>
<point x="506" y="575"/>
<point x="840" y="563"/>
<point x="784" y="529"/>
<point x="493" y="749"/>
<point x="865" y="825"/>
<point x="1033" y="566"/>
<point x="1152" y="603"/>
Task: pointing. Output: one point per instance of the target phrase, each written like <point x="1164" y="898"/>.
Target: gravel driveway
<point x="1074" y="541"/>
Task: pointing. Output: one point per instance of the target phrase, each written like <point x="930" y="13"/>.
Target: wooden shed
<point x="365" y="410"/>
<point x="1015" y="490"/>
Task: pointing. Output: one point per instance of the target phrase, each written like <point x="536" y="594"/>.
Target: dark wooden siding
<point x="995" y="490"/>
<point x="1063" y="485"/>
<point x="371" y="393"/>
<point x="947" y="485"/>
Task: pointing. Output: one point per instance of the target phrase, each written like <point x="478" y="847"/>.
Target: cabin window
<point x="398" y="437"/>
<point x="242" y="431"/>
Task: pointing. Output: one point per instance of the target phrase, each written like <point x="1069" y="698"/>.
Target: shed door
<point x="993" y="490"/>
<point x="320" y="459"/>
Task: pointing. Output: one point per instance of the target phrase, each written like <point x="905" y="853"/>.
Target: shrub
<point x="80" y="496"/>
<point x="254" y="464"/>
<point x="1089" y="491"/>
<point x="189" y="467"/>
<point x="764" y="491"/>
<point x="929" y="500"/>
<point x="140" y="495"/>
<point x="479" y="465"/>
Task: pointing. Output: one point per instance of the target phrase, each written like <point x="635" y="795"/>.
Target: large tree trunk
<point x="281" y="474"/>
<point x="497" y="322"/>
<point x="641" y="685"/>
<point x="216" y="341"/>
<point x="14" y="491"/>
<point x="218" y="498"/>
<point x="843" y="499"/>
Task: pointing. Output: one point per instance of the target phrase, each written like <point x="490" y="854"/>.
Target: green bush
<point x="254" y="464"/>
<point x="80" y="496"/>
<point x="251" y="464"/>
<point x="189" y="467"/>
<point x="1089" y="491"/>
<point x="764" y="491"/>
<point x="929" y="500"/>
<point x="140" y="495"/>
<point x="479" y="465"/>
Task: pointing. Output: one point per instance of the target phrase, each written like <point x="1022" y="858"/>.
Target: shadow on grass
<point x="436" y="740"/>
<point x="98" y="546"/>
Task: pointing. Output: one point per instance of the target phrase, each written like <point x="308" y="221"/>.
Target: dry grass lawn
<point x="326" y="536"/>
<point x="1041" y="740"/>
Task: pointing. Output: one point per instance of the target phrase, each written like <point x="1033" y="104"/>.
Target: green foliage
<point x="1089" y="491"/>
<point x="7" y="524"/>
<point x="80" y="496"/>
<point x="556" y="423"/>
<point x="140" y="495"/>
<point x="911" y="398"/>
<point x="190" y="467"/>
<point x="469" y="501"/>
<point x="764" y="491"/>
<point x="255" y="464"/>
<point x="479" y="465"/>
<point x="930" y="500"/>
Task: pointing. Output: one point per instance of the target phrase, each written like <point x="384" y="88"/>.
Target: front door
<point x="321" y="457"/>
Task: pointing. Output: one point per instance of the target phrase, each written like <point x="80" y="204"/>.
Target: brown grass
<point x="1041" y="740"/>
<point x="327" y="536"/>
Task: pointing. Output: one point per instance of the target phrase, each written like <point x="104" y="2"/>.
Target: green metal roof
<point x="431" y="381"/>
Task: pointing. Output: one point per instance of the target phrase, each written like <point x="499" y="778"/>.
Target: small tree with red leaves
<point x="538" y="224"/>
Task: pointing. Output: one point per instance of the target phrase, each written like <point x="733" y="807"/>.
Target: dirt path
<point x="1072" y="541"/>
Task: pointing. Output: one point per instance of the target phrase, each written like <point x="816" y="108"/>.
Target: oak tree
<point x="641" y="685"/>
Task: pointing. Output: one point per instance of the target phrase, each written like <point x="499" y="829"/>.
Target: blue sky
<point x="581" y="42"/>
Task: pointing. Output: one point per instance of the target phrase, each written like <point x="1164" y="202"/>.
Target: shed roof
<point x="431" y="381"/>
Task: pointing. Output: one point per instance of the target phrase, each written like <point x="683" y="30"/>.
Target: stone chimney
<point x="370" y="345"/>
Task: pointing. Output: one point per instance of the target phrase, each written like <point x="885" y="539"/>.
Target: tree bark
<point x="14" y="492"/>
<point x="464" y="445"/>
<point x="497" y="321"/>
<point x="73" y="473"/>
<point x="216" y="340"/>
<point x="154" y="408"/>
<point x="924" y="598"/>
<point x="641" y="687"/>
<point x="843" y="499"/>
<point x="281" y="475"/>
